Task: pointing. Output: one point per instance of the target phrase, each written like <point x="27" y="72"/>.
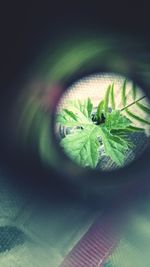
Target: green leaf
<point x="134" y="91"/>
<point x="115" y="146"/>
<point x="100" y="109"/>
<point x="112" y="98"/>
<point x="125" y="135"/>
<point x="124" y="98"/>
<point x="115" y="120"/>
<point x="137" y="117"/>
<point x="84" y="107"/>
<point x="78" y="114"/>
<point x="89" y="106"/>
<point x="127" y="130"/>
<point x="67" y="118"/>
<point x="106" y="100"/>
<point x="82" y="146"/>
<point x="134" y="129"/>
<point x="143" y="107"/>
<point x="70" y="114"/>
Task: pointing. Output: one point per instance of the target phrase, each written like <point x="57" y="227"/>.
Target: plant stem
<point x="133" y="103"/>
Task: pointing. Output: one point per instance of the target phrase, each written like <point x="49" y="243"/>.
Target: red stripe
<point x="96" y="245"/>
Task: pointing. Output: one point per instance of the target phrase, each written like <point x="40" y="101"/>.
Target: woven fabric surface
<point x="35" y="236"/>
<point x="134" y="246"/>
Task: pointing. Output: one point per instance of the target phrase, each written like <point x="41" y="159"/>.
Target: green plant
<point x="105" y="127"/>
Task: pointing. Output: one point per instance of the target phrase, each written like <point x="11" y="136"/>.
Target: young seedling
<point x="106" y="126"/>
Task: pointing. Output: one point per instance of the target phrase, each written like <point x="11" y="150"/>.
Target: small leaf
<point x="127" y="130"/>
<point x="89" y="106"/>
<point x="124" y="98"/>
<point x="134" y="91"/>
<point x="137" y="117"/>
<point x="106" y="101"/>
<point x="100" y="109"/>
<point x="134" y="129"/>
<point x="112" y="98"/>
<point x="143" y="107"/>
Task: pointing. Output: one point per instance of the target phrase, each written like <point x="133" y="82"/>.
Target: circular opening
<point x="102" y="122"/>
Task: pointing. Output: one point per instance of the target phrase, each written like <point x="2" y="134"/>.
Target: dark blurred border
<point x="28" y="27"/>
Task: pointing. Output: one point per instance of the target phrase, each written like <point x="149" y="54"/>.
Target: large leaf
<point x="78" y="114"/>
<point x="67" y="118"/>
<point x="82" y="146"/>
<point x="115" y="146"/>
<point x="84" y="107"/>
<point x="115" y="120"/>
